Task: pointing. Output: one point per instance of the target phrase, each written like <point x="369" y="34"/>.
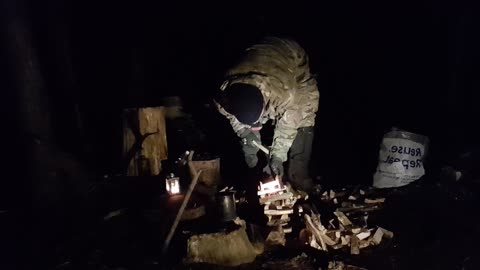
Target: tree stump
<point x="144" y="140"/>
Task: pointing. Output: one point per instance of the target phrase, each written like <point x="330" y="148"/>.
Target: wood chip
<point x="362" y="192"/>
<point x="352" y="198"/>
<point x="332" y="194"/>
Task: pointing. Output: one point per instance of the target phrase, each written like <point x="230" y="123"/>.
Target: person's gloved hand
<point x="248" y="138"/>
<point x="249" y="149"/>
<point x="274" y="167"/>
<point x="251" y="160"/>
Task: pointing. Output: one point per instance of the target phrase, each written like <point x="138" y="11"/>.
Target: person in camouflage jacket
<point x="273" y="81"/>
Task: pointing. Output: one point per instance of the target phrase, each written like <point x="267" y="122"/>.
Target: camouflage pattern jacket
<point x="280" y="69"/>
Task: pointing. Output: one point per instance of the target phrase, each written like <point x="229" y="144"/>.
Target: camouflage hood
<point x="280" y="69"/>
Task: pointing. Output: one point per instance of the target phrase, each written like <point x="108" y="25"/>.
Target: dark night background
<point x="410" y="64"/>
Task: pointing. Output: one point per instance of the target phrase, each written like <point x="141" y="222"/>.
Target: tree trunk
<point x="144" y="140"/>
<point x="31" y="100"/>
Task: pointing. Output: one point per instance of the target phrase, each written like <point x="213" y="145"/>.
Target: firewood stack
<point x="278" y="201"/>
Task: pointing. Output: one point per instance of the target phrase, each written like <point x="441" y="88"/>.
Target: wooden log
<point x="144" y="140"/>
<point x="227" y="249"/>
<point x="211" y="171"/>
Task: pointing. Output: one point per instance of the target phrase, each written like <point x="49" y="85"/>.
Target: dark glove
<point x="249" y="149"/>
<point x="274" y="167"/>
<point x="248" y="138"/>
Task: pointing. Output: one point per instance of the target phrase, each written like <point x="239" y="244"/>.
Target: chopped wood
<point x="354" y="245"/>
<point x="377" y="237"/>
<point x="356" y="230"/>
<point x="315" y="244"/>
<point x="278" y="212"/>
<point x="378" y="200"/>
<point x="352" y="198"/>
<point x="363" y="244"/>
<point x="331" y="235"/>
<point x="388" y="234"/>
<point x="342" y="218"/>
<point x="277" y="197"/>
<point x="363" y="235"/>
<point x="332" y="194"/>
<point x="360" y="208"/>
<point x="315" y="231"/>
<point x="362" y="192"/>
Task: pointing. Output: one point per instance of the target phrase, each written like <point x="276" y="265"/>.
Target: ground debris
<point x="301" y="261"/>
<point x="338" y="265"/>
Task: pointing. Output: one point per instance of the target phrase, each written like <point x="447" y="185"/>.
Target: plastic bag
<point x="400" y="159"/>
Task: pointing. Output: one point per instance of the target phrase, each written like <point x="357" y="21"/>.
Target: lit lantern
<point x="172" y="184"/>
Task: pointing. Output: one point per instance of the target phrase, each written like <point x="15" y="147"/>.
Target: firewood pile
<point x="349" y="227"/>
<point x="279" y="200"/>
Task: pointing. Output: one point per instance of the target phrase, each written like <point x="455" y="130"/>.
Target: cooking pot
<point x="226" y="209"/>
